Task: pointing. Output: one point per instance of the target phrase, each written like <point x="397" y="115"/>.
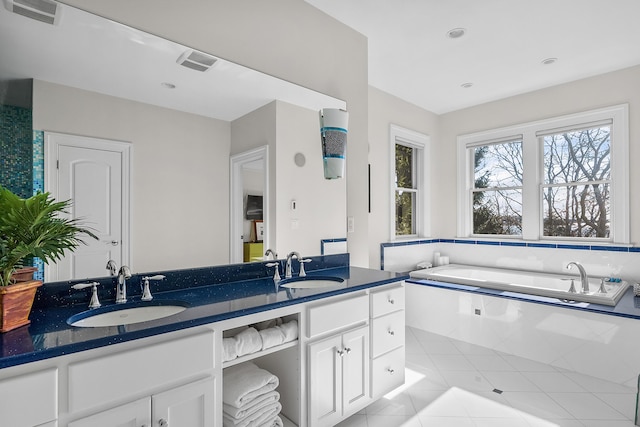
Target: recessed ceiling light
<point x="168" y="85"/>
<point x="466" y="85"/>
<point x="549" y="61"/>
<point x="456" y="33"/>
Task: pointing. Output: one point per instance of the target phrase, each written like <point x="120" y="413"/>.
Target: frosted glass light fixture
<point x="333" y="131"/>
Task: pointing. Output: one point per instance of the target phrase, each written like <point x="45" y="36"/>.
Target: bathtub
<point x="527" y="282"/>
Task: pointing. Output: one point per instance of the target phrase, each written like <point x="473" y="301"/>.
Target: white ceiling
<point x="501" y="52"/>
<point x="92" y="53"/>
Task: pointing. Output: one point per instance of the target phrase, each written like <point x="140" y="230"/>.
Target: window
<point x="577" y="179"/>
<point x="409" y="216"/>
<point x="561" y="178"/>
<point x="497" y="188"/>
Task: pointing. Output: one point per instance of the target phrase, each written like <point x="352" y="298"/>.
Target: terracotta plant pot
<point x="15" y="304"/>
<point x="23" y="274"/>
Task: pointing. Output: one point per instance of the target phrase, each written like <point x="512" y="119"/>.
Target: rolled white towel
<point x="229" y="350"/>
<point x="271" y="337"/>
<point x="276" y="422"/>
<point x="268" y="323"/>
<point x="289" y="330"/>
<point x="251" y="407"/>
<point x="258" y="418"/>
<point x="245" y="382"/>
<point x="248" y="341"/>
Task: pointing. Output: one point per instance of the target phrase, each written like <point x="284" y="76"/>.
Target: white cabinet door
<point x="134" y="414"/>
<point x="338" y="376"/>
<point x="325" y="382"/>
<point x="355" y="369"/>
<point x="191" y="405"/>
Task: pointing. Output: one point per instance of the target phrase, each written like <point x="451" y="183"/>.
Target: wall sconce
<point x="333" y="132"/>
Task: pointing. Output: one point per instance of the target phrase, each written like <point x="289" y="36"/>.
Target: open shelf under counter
<point x="260" y="353"/>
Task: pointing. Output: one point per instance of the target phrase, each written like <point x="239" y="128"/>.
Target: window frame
<point x="421" y="216"/>
<point x="532" y="197"/>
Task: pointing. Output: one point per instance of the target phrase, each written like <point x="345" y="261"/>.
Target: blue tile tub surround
<point x="598" y="247"/>
<point x="212" y="294"/>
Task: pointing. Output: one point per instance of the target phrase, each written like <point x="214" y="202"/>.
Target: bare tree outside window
<point x="577" y="181"/>
<point x="497" y="193"/>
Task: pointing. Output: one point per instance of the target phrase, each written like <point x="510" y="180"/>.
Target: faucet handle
<point x="146" y="292"/>
<point x="94" y="302"/>
<point x="276" y="274"/>
<point x="302" y="263"/>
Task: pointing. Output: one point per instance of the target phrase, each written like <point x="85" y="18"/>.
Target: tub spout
<point x="584" y="279"/>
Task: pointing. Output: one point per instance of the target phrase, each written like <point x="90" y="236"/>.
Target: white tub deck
<point x="528" y="282"/>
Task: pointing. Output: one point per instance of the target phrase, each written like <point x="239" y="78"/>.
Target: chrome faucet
<point x="121" y="286"/>
<point x="287" y="270"/>
<point x="271" y="252"/>
<point x="111" y="266"/>
<point x="584" y="279"/>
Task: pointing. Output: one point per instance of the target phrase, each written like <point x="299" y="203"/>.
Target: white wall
<point x="289" y="39"/>
<point x="321" y="203"/>
<point x="179" y="177"/>
<point x="384" y="110"/>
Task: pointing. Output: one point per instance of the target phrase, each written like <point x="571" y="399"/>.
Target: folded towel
<point x="256" y="419"/>
<point x="276" y="422"/>
<point x="271" y="337"/>
<point x="289" y="330"/>
<point x="252" y="406"/>
<point x="244" y="382"/>
<point x="229" y="350"/>
<point x="268" y="323"/>
<point x="248" y="341"/>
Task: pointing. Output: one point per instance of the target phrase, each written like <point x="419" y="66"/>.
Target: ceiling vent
<point x="41" y="10"/>
<point x="196" y="60"/>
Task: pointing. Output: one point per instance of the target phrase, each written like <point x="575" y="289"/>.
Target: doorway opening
<point x="249" y="205"/>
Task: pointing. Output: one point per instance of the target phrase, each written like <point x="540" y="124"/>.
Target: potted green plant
<point x="30" y="228"/>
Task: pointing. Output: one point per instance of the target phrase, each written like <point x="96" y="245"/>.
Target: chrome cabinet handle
<point x="391" y="332"/>
<point x="347" y="350"/>
<point x="114" y="243"/>
<point x="163" y="423"/>
<point x="391" y="301"/>
<point x="391" y="371"/>
<point x="340" y="353"/>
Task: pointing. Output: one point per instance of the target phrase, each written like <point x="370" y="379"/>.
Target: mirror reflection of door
<point x="249" y="206"/>
<point x="94" y="175"/>
<point x="253" y="227"/>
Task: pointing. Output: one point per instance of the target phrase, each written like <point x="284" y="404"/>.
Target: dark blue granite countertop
<point x="628" y="306"/>
<point x="49" y="335"/>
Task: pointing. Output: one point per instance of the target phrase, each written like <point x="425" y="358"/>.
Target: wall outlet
<point x="351" y="224"/>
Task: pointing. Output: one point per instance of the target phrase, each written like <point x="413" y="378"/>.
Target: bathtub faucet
<point x="584" y="279"/>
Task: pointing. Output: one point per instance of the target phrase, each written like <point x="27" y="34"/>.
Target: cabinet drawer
<point x="387" y="372"/>
<point x="135" y="372"/>
<point x="387" y="333"/>
<point x="387" y="301"/>
<point x="30" y="399"/>
<point x="338" y="315"/>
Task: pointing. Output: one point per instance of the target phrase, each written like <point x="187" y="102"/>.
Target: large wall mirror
<point x="180" y="116"/>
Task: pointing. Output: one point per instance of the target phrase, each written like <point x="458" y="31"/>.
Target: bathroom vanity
<point x="349" y="351"/>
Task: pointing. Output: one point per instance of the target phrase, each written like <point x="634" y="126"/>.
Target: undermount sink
<point x="311" y="282"/>
<point x="126" y="314"/>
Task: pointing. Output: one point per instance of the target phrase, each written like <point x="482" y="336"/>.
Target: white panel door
<point x="134" y="414"/>
<point x="325" y="382"/>
<point x="93" y="174"/>
<point x="191" y="405"/>
<point x="355" y="368"/>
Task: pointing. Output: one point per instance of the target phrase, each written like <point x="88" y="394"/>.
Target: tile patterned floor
<point x="451" y="383"/>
